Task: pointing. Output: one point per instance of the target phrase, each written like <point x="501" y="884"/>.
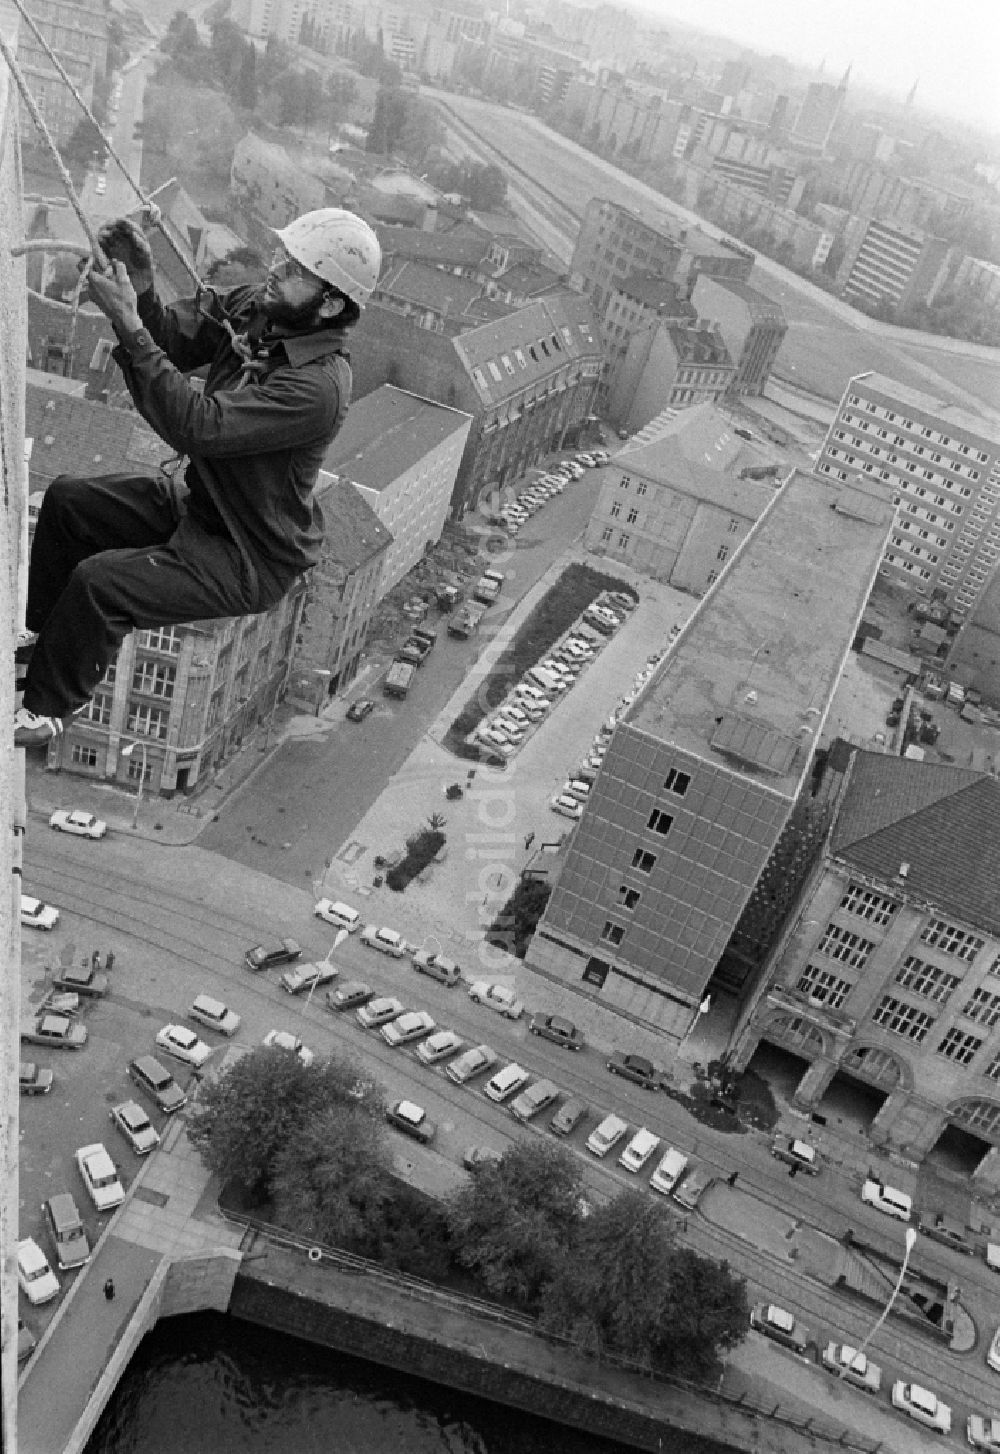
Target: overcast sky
<point x="953" y="46"/>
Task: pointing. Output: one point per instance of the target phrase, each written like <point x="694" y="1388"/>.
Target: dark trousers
<point x="111" y="554"/>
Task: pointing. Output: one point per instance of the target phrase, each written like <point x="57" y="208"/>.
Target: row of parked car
<point x="518" y="511"/>
<point x="504" y="732"/>
<point x="856" y="1368"/>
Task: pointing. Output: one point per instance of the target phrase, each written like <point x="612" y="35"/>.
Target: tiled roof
<point x="78" y="436"/>
<point x="461" y="247"/>
<point x="428" y="287"/>
<point x="526" y="279"/>
<point x="656" y="292"/>
<point x="943" y="821"/>
<point x="562" y="322"/>
<point x="387" y="432"/>
<point x="699" y="346"/>
<point x="354" y="533"/>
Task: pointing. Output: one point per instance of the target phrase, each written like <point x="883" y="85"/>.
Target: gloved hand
<point x="123" y="241"/>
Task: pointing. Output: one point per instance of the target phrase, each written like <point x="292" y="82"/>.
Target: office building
<point x="818" y="114"/>
<point x="667" y="366"/>
<point x="705" y="767"/>
<point x="402" y="453"/>
<point x="885" y="985"/>
<point x="943" y="462"/>
<point x="676" y="502"/>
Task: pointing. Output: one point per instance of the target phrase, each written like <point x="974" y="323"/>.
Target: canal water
<point x="209" y="1384"/>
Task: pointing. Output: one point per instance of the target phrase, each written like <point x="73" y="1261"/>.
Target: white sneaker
<point x="31" y="730"/>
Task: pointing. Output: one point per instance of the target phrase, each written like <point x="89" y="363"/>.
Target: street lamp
<point x="127" y="752"/>
<point x="338" y="940"/>
<point x="911" y="1238"/>
<point x="702" y="1009"/>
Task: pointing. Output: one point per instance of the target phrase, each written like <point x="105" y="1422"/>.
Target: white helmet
<point x="338" y="247"/>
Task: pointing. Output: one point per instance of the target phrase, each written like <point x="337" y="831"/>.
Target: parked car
<point x="82" y="979"/>
<point x="34" y="1080"/>
<point x="534" y="1100"/>
<point x="853" y="1367"/>
<point x="412" y="1120"/>
<point x="359" y="710"/>
<point x="64" y="1226"/>
<point x="411" y="1025"/>
<point x="385" y="940"/>
<point x="268" y="956"/>
<point x="605" y="1136"/>
<point x="796" y="1152"/>
<point x="100" y="1177"/>
<point x="922" y="1405"/>
<point x="557" y="1029"/>
<point x="285" y="1040"/>
<point x="499" y="997"/>
<point x="437" y="966"/>
<point x="439" y="1046"/>
<point x="378" y="1012"/>
<point x="670" y="1168"/>
<point x="307" y="976"/>
<point x="26" y="1342"/>
<point x="779" y="1324"/>
<point x="566" y="806"/>
<point x="471" y="1063"/>
<point x="949" y="1230"/>
<point x="342" y="916"/>
<point x="635" y="1068"/>
<point x="36" y="915"/>
<point x="568" y="1116"/>
<point x="136" y="1127"/>
<point x="57" y="1031"/>
<point x="993" y="1352"/>
<point x="82" y="825"/>
<point x="639" y="1149"/>
<point x="349" y="996"/>
<point x="688" y="1191"/>
<point x="156" y="1080"/>
<point x="506" y="1082"/>
<point x="34" y="1275"/>
<point x="214" y="1014"/>
<point x="982" y="1431"/>
<point x="183" y="1044"/>
<point x="887" y="1199"/>
<point x="475" y="1156"/>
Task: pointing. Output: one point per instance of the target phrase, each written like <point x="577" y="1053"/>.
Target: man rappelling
<point x="229" y="533"/>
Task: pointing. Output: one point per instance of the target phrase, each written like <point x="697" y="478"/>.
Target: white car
<point x="38" y="1282"/>
<point x="993" y="1352"/>
<point x="136" y="1127"/>
<point x="285" y="1040"/>
<point x="101" y="186"/>
<point x="214" y="1014"/>
<point x="853" y="1367"/>
<point x="567" y="806"/>
<point x="183" y="1044"/>
<point x="922" y="1405"/>
<point x="36" y="915"/>
<point x="338" y="914"/>
<point x="100" y="1177"/>
<point x="887" y="1199"/>
<point x="438" y="1046"/>
<point x="983" y="1432"/>
<point x="411" y="1025"/>
<point x="387" y="940"/>
<point x="378" y="1012"/>
<point x="499" y="997"/>
<point x="84" y="825"/>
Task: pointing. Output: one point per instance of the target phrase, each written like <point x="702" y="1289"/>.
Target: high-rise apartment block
<point x="77" y="32"/>
<point x="943" y="462"/>
<point x="705" y="767"/>
<point x="892" y="264"/>
<point x="818" y="114"/>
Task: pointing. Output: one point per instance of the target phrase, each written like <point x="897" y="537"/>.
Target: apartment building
<point x="614" y="242"/>
<point x="752" y="328"/>
<point x="77" y="32"/>
<point x="667" y="366"/>
<point x="675" y="503"/>
<point x="943" y="464"/>
<point x="705" y="767"/>
<point x="402" y="454"/>
<point x="892" y="264"/>
<point x="818" y="114"/>
<point x="886" y="982"/>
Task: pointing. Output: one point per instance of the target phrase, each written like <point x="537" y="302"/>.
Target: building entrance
<point x="851" y="1104"/>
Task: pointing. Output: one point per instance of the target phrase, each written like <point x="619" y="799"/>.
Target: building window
<point x="628" y="898"/>
<point x="641" y="487"/>
<point x="866" y="905"/>
<point x="959" y="1047"/>
<point x="616" y="509"/>
<point x="612" y="933"/>
<point x="734" y="526"/>
<point x="847" y="947"/>
<point x="677" y="782"/>
<point x="154" y="678"/>
<point x="624" y="482"/>
<point x="644" y="861"/>
<point x="944" y="936"/>
<point x="711" y="578"/>
<point x="606" y="535"/>
<point x="722" y="553"/>
<point x="660" y="822"/>
<point x="84" y="756"/>
<point x="926" y="979"/>
<point x="136" y="769"/>
<point x="98" y="709"/>
<point x="632" y="516"/>
<point x="821" y="984"/>
<point x="984" y="1008"/>
<point x="108" y="679"/>
<point x="623" y="540"/>
<point x="147" y="721"/>
<point x="164" y="638"/>
<point x="901" y="1019"/>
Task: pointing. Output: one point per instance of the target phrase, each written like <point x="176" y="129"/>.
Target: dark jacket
<point x="258" y="433"/>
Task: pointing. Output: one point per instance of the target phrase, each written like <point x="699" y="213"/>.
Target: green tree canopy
<point x="330" y="1178"/>
<point x="516" y="1218"/>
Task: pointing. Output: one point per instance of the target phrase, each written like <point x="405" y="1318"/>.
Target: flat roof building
<point x="943" y="462"/>
<point x="752" y="327"/>
<point x="705" y="767"/>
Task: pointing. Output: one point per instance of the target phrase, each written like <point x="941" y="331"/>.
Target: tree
<point x="331" y="1177"/>
<point x="708" y="1314"/>
<point x="486" y="186"/>
<point x="388" y="121"/>
<point x="228" y="50"/>
<point x="249" y="1113"/>
<point x="246" y="81"/>
<point x="513" y="927"/>
<point x="513" y="1223"/>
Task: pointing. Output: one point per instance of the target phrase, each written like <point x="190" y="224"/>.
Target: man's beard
<point x="296" y="316"/>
